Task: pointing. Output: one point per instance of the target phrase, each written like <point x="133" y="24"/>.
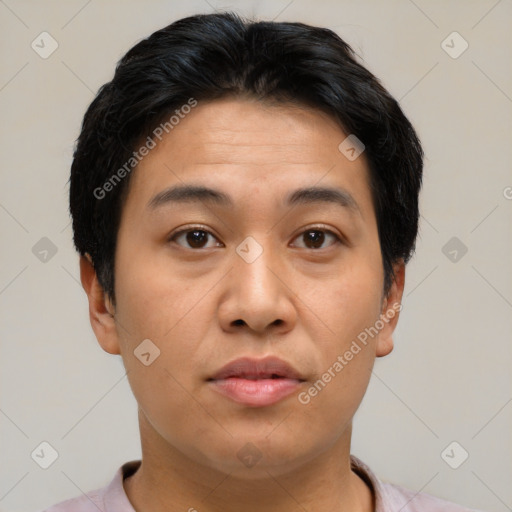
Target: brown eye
<point x="194" y="238"/>
<point x="316" y="238"/>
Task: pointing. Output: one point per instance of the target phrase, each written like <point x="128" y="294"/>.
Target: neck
<point x="168" y="480"/>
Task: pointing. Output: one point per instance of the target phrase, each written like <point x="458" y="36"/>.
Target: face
<point x="261" y="269"/>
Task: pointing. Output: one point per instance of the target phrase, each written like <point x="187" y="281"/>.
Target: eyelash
<point x="201" y="228"/>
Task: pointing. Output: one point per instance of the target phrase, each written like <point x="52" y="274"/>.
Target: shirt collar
<point x="116" y="498"/>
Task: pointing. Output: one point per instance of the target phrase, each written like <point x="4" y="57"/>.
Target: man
<point x="244" y="200"/>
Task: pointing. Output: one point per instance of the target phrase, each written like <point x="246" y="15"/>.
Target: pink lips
<point x="256" y="382"/>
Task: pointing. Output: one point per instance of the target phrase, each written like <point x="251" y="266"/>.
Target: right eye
<point x="195" y="237"/>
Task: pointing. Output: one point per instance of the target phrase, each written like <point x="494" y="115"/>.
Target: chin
<point x="255" y="455"/>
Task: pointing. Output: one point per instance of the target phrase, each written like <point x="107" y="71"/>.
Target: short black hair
<point x="212" y="56"/>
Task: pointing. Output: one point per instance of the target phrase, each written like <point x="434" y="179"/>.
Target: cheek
<point x="156" y="305"/>
<point x="151" y="307"/>
<point x="173" y="414"/>
<point x="335" y="393"/>
<point x="153" y="299"/>
<point x="348" y="306"/>
<point x="348" y="300"/>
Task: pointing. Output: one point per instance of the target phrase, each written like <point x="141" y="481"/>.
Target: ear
<point x="101" y="309"/>
<point x="391" y="307"/>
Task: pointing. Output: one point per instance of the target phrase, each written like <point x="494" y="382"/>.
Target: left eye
<point x="314" y="238"/>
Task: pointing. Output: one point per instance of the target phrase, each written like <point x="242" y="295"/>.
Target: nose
<point x="258" y="296"/>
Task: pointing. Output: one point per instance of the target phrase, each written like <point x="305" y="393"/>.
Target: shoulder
<point x="90" y="502"/>
<point x="392" y="498"/>
<point x="399" y="498"/>
<point x="111" y="498"/>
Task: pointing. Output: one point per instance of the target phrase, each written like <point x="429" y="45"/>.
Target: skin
<point x="204" y="306"/>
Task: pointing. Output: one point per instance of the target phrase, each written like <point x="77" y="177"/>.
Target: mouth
<point x="256" y="382"/>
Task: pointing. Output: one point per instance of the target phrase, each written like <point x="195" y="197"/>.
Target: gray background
<point x="448" y="378"/>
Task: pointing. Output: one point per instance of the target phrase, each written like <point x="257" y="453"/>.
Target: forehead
<point x="284" y="133"/>
<point x="246" y="147"/>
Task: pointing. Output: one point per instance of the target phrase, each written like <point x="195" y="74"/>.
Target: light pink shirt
<point x="388" y="497"/>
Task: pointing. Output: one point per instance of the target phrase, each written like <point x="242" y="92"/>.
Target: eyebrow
<point x="199" y="193"/>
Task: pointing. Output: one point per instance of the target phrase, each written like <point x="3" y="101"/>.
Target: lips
<point x="267" y="368"/>
<point x="256" y="382"/>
